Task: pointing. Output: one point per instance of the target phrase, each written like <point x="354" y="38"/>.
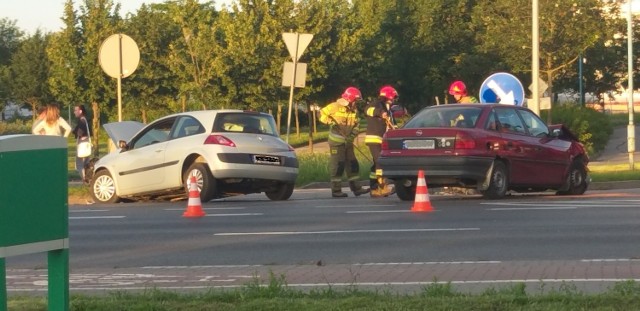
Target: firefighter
<point x="342" y="116"/>
<point x="459" y="91"/>
<point x="379" y="120"/>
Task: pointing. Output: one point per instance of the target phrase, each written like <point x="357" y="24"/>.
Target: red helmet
<point x="388" y="92"/>
<point x="352" y="94"/>
<point x="458" y="88"/>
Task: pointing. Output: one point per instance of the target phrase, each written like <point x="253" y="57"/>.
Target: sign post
<point x="119" y="57"/>
<point x="296" y="44"/>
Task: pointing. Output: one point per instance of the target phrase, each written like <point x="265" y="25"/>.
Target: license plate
<point x="419" y="144"/>
<point x="265" y="159"/>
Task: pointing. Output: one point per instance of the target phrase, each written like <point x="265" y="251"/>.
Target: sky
<point x="46" y="14"/>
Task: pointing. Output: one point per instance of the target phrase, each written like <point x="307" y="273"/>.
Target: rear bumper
<point x="252" y="171"/>
<point x="439" y="170"/>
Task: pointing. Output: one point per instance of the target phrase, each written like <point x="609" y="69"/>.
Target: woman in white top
<point x="53" y="124"/>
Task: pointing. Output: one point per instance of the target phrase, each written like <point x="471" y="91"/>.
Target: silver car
<point x="228" y="151"/>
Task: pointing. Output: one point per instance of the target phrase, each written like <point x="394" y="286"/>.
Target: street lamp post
<point x="631" y="139"/>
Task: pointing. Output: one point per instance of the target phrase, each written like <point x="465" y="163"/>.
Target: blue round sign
<point x="502" y="88"/>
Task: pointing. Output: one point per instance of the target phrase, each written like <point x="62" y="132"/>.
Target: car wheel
<point x="103" y="188"/>
<point x="404" y="192"/>
<point x="283" y="192"/>
<point x="204" y="179"/>
<point x="577" y="180"/>
<point x="498" y="183"/>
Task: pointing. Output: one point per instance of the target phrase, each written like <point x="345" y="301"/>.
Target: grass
<point x="276" y="295"/>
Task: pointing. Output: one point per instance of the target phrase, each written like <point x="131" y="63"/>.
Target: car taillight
<point x="464" y="141"/>
<point x="384" y="145"/>
<point x="219" y="140"/>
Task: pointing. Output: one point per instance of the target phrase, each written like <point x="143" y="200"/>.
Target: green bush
<point x="15" y="127"/>
<point x="591" y="127"/>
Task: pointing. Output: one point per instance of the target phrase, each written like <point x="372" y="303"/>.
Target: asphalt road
<point x="314" y="240"/>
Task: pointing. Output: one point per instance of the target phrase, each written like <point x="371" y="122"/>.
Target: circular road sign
<point x="502" y="88"/>
<point x="119" y="56"/>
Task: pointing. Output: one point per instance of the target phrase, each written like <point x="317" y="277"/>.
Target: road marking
<point x="87" y="210"/>
<point x="231" y="215"/>
<point x="200" y="267"/>
<point x="98" y="217"/>
<point x="208" y="208"/>
<point x="356" y="206"/>
<point x="531" y="208"/>
<point x="611" y="260"/>
<point x="341" y="231"/>
<point x="428" y="263"/>
<point x="372" y="212"/>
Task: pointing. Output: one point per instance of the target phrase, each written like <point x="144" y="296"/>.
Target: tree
<point x="194" y="57"/>
<point x="29" y="71"/>
<point x="10" y="38"/>
<point x="567" y="29"/>
<point x="253" y="52"/>
<point x="152" y="86"/>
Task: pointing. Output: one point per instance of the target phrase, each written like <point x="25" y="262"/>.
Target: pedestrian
<point x="81" y="133"/>
<point x="459" y="91"/>
<point x="379" y="121"/>
<point x="52" y="124"/>
<point x="342" y="116"/>
<point x="42" y="114"/>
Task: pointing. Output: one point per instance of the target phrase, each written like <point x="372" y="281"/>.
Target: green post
<point x="58" y="280"/>
<point x="3" y="286"/>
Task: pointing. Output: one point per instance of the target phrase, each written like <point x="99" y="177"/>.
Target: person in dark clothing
<point x="81" y="133"/>
<point x="379" y="120"/>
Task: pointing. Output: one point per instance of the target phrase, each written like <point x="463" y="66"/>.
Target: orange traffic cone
<point x="422" y="203"/>
<point x="194" y="207"/>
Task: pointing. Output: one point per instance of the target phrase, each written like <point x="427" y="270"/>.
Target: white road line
<point x="531" y="208"/>
<point x="87" y="210"/>
<point x="341" y="231"/>
<point x="428" y="263"/>
<point x="610" y="260"/>
<point x="355" y="206"/>
<point x="230" y="215"/>
<point x="208" y="208"/>
<point x="200" y="267"/>
<point x="372" y="212"/>
<point x="98" y="217"/>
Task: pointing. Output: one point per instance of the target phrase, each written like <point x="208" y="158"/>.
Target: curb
<point x="602" y="185"/>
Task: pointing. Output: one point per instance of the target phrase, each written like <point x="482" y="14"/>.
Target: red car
<point x="492" y="148"/>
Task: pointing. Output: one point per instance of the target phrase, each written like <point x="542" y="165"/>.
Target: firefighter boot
<point x="357" y="190"/>
<point x="336" y="190"/>
<point x="383" y="190"/>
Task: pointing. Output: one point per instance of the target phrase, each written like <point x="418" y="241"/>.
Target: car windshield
<point x="445" y="116"/>
<point x="255" y="123"/>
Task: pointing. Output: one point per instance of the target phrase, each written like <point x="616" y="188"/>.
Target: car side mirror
<point x="556" y="133"/>
<point x="123" y="145"/>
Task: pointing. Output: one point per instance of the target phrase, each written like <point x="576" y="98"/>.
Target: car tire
<point x="206" y="181"/>
<point x="284" y="192"/>
<point x="577" y="180"/>
<point x="405" y="193"/>
<point x="103" y="188"/>
<point x="498" y="182"/>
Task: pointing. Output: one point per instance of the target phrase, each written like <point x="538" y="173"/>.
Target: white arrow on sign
<point x="505" y="98"/>
<point x="296" y="43"/>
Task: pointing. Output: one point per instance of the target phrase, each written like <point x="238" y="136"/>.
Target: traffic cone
<point x="194" y="207"/>
<point x="422" y="203"/>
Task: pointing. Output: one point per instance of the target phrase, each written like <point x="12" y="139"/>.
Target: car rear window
<point x="445" y="116"/>
<point x="254" y="123"/>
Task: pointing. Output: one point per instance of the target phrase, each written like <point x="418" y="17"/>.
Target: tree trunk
<point x="95" y="125"/>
